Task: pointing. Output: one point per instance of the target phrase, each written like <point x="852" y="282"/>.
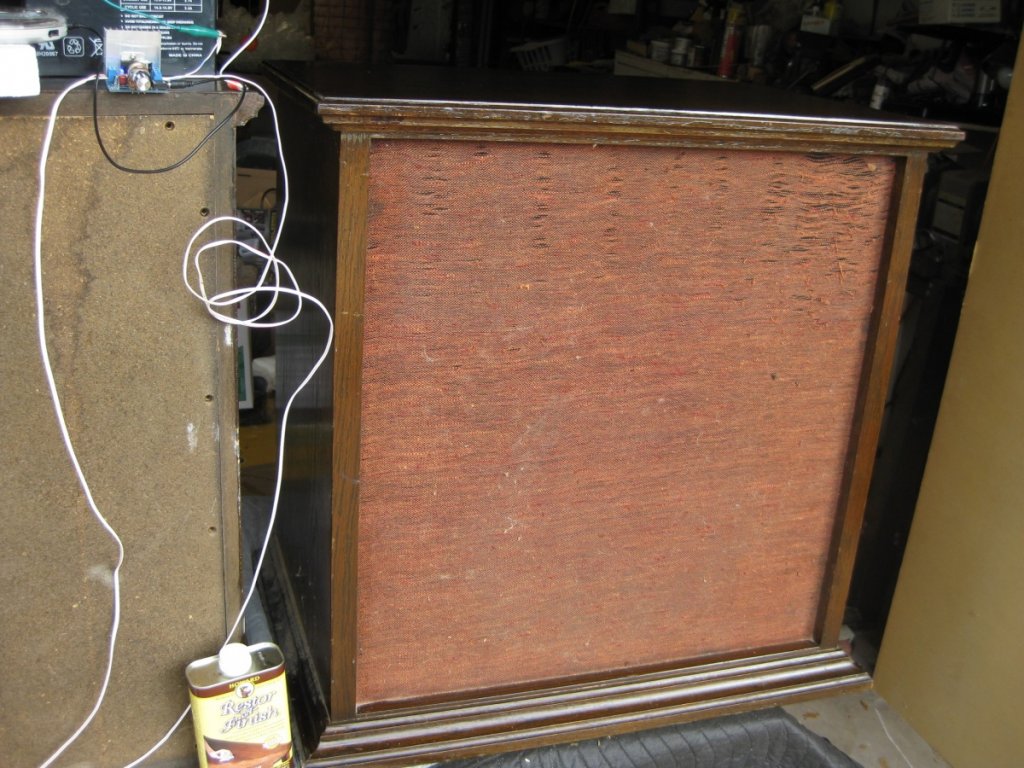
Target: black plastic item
<point x="81" y="51"/>
<point x="766" y="739"/>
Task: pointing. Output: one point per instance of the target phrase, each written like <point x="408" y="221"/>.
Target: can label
<point x="243" y="722"/>
<point x="730" y="52"/>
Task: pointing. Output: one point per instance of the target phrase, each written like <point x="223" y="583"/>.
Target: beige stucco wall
<point x="950" y="660"/>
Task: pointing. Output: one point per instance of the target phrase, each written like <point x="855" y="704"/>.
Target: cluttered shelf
<point x="940" y="59"/>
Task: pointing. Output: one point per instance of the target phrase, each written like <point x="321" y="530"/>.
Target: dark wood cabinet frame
<point x="332" y="118"/>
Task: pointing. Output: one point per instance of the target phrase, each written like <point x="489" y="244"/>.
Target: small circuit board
<point x="132" y="61"/>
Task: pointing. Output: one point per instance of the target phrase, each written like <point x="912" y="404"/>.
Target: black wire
<point x="195" y="150"/>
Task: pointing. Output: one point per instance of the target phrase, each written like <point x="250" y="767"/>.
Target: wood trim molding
<point x="585" y="711"/>
<point x="476" y="104"/>
<point x="906" y="197"/>
<point x="353" y="166"/>
<point x="587" y="126"/>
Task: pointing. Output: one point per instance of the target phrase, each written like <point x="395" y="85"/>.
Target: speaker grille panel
<point x="607" y="399"/>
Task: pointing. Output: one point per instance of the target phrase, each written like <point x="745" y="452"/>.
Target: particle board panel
<point x="147" y="382"/>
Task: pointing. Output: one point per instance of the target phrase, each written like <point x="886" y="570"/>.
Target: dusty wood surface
<point x="147" y="382"/>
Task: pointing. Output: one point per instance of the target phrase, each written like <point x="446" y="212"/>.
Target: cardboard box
<point x="959" y="11"/>
<point x="255" y="188"/>
<point x="819" y="25"/>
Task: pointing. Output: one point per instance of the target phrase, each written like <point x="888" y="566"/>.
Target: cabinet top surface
<point x="80" y="102"/>
<point x="379" y="99"/>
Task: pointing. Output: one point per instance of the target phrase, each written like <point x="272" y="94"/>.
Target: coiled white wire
<point x="276" y="280"/>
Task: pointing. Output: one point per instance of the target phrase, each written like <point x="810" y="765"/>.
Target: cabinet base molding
<point x="409" y="735"/>
<point x="635" y="702"/>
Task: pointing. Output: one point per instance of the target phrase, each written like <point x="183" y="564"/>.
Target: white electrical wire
<point x="248" y="41"/>
<point x="37" y="256"/>
<point x="275" y="280"/>
<point x="218" y="303"/>
<point x="198" y="67"/>
<point x="159" y="743"/>
<point x="885" y="728"/>
<point x="269" y="282"/>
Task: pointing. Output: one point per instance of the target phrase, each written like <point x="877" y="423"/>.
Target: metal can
<point x="240" y="707"/>
<point x="879" y="94"/>
<point x="659" y="50"/>
<point x="730" y="51"/>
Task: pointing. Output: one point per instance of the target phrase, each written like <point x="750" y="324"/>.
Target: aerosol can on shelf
<point x="240" y="707"/>
<point x="731" y="40"/>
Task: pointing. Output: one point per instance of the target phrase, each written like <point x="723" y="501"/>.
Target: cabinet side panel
<point x="304" y="527"/>
<point x="607" y="399"/>
<point x="146" y="383"/>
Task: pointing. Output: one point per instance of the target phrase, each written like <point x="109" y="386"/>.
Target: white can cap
<point x="234" y="659"/>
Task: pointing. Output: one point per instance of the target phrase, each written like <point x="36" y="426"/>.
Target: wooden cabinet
<point x="610" y="361"/>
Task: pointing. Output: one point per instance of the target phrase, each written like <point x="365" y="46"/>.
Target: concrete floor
<point x="867" y="729"/>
